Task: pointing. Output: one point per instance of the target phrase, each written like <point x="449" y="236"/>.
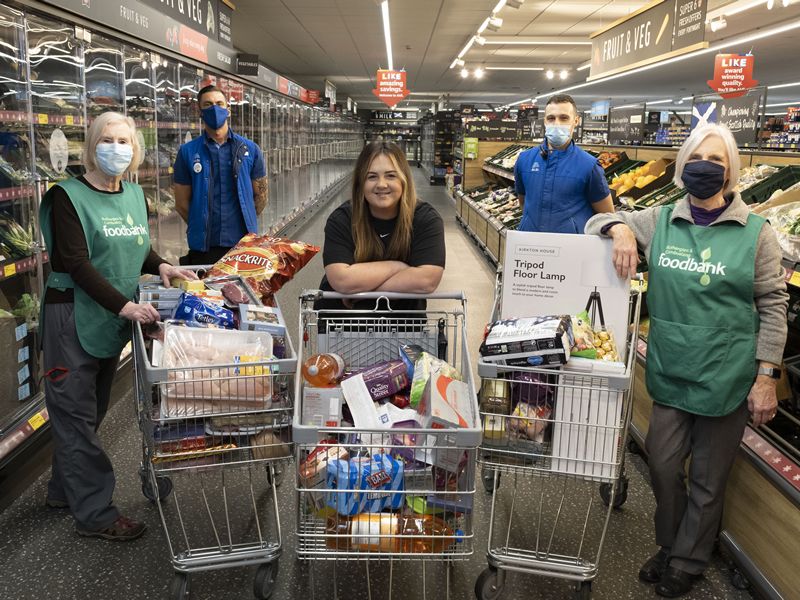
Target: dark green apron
<point x="701" y="350"/>
<point x="118" y="238"/>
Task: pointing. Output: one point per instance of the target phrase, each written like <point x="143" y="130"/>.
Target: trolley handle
<point x="320" y="294"/>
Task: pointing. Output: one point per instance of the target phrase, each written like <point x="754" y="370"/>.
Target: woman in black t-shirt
<point x="385" y="239"/>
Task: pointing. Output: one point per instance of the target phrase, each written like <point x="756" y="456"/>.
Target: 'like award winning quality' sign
<point x="733" y="75"/>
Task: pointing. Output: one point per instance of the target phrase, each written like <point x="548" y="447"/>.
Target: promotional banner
<point x="247" y="64"/>
<point x="739" y="114"/>
<point x="626" y="125"/>
<point x="313" y="96"/>
<point x="391" y="87"/>
<point x="660" y="28"/>
<point x="558" y="274"/>
<point x="733" y="75"/>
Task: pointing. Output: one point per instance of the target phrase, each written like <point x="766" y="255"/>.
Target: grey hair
<point x="95" y="133"/>
<point x="698" y="135"/>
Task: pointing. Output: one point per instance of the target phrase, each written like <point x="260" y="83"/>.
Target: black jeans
<point x="198" y="258"/>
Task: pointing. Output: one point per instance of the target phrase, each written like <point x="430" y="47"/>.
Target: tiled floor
<point x="42" y="557"/>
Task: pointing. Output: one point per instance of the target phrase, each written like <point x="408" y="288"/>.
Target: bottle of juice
<point x="323" y="370"/>
<point x="363" y="533"/>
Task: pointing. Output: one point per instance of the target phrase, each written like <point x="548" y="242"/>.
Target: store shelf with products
<point x="406" y="134"/>
<point x="47" y="101"/>
<point x="440" y="135"/>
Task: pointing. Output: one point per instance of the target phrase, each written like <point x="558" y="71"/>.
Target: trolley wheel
<point x="179" y="586"/>
<point x="278" y="475"/>
<point x="584" y="591"/>
<point x="163" y="483"/>
<point x="739" y="581"/>
<point x="622" y="492"/>
<point x="487" y="585"/>
<point x="488" y="480"/>
<point x="264" y="582"/>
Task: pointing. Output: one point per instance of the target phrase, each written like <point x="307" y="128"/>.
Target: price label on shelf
<point x="23" y="392"/>
<point x="9" y="270"/>
<point x="23" y="354"/>
<point x="795" y="278"/>
<point x="37" y="421"/>
<point x="43" y="119"/>
<point x="69" y="120"/>
<point x="23" y="374"/>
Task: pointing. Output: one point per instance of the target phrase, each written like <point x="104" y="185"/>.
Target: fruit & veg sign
<point x="391" y="87"/>
<point x="733" y="75"/>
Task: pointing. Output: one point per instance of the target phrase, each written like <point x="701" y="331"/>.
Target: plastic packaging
<point x="193" y="309"/>
<point x="427" y="533"/>
<point x="323" y="370"/>
<point x="385" y="378"/>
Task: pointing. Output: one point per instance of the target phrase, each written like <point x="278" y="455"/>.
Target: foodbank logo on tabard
<point x="682" y="259"/>
<point x="114" y="227"/>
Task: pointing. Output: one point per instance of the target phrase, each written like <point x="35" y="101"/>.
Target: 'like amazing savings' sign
<point x="391" y="86"/>
<point x="733" y="75"/>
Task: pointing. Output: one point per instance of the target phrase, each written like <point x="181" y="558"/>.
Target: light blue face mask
<point x="114" y="158"/>
<point x="558" y="135"/>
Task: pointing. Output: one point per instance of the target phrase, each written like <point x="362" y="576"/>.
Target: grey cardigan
<point x="769" y="288"/>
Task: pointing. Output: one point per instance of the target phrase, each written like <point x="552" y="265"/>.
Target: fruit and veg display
<point x="639" y="177"/>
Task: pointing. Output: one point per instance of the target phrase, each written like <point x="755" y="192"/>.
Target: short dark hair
<point x="207" y="90"/>
<point x="562" y="99"/>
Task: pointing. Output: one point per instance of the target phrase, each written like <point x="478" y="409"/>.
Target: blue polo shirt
<point x="560" y="187"/>
<point x="226" y="220"/>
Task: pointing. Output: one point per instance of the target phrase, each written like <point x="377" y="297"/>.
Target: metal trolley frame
<point x="215" y="439"/>
<point x="436" y="482"/>
<point x="577" y="417"/>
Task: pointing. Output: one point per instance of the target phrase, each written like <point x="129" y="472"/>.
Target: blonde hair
<point x="697" y="137"/>
<point x="95" y="133"/>
<point x="369" y="247"/>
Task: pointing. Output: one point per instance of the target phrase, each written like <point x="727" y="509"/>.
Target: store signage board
<point x="470" y="147"/>
<point x="247" y="64"/>
<point x="648" y="35"/>
<point x="554" y="274"/>
<point x="740" y="115"/>
<point x="626" y="125"/>
<point x="733" y="75"/>
<point x="599" y="110"/>
<point x="391" y="87"/>
<point x="313" y="96"/>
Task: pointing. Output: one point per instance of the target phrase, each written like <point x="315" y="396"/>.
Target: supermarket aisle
<point x="41" y="556"/>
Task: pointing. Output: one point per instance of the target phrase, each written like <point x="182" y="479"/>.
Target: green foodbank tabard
<point x="115" y="227"/>
<point x="682" y="259"/>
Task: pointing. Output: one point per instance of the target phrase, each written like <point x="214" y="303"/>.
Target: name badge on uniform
<point x="535" y="167"/>
<point x="197" y="167"/>
<point x="247" y="153"/>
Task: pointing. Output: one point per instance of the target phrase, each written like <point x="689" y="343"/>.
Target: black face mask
<point x="703" y="178"/>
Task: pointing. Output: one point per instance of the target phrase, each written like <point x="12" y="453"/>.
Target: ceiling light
<point x="584" y="66"/>
<point x="563" y="74"/>
<point x="549" y="74"/>
<point x="783" y="85"/>
<point x="454" y="63"/>
<point x="144" y="63"/>
<point x="718" y="24"/>
<point x="515" y="68"/>
<point x="667" y="101"/>
<point x="478" y="73"/>
<point x="782" y="104"/>
<point x="543" y="40"/>
<point x="464" y="73"/>
<point x="459" y="62"/>
<point x="494" y="24"/>
<point x="499" y="7"/>
<point x="770" y="4"/>
<point x="626" y="106"/>
<point x="679" y="101"/>
<point x="481" y="41"/>
<point x="387" y="33"/>
<point x="786" y="3"/>
<point x="484" y="25"/>
<point x="514" y="3"/>
<point x="740" y="9"/>
<point x="466" y="48"/>
<point x="687" y="98"/>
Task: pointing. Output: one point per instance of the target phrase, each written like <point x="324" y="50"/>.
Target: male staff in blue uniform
<point x="220" y="183"/>
<point x="559" y="185"/>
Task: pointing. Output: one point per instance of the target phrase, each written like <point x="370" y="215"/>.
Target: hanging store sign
<point x="740" y="115"/>
<point x="733" y="75"/>
<point x="247" y="64"/>
<point x="648" y="35"/>
<point x="626" y="125"/>
<point x="391" y="87"/>
<point x="313" y="96"/>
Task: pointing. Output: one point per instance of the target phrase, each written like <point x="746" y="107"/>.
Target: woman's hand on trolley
<point x="141" y="313"/>
<point x="168" y="272"/>
<point x="762" y="400"/>
<point x="626" y="255"/>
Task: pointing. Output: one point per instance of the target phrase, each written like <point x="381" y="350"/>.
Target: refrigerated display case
<point x="54" y="80"/>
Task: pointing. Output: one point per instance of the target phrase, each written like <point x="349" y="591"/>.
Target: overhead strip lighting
<point x="515" y="68"/>
<point x="745" y="39"/>
<point x="537" y="42"/>
<point x="667" y="101"/>
<point x="387" y="33"/>
<point x="626" y="106"/>
<point x="584" y="66"/>
<point x="796" y="103"/>
<point x="498" y="7"/>
<point x="783" y="85"/>
<point x="466" y="48"/>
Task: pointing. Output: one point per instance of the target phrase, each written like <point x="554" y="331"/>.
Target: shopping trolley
<point x="381" y="493"/>
<point x="565" y="437"/>
<point x="215" y="438"/>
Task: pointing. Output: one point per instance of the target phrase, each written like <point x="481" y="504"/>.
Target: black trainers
<point x="675" y="583"/>
<point x="121" y="530"/>
<point x="653" y="569"/>
<point x="55" y="503"/>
